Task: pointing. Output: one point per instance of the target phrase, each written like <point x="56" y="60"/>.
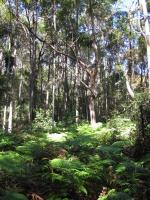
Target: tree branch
<point x="81" y="81"/>
<point x="139" y="23"/>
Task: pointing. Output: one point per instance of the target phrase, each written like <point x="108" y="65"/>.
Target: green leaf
<point x="11" y="195"/>
<point x="108" y="149"/>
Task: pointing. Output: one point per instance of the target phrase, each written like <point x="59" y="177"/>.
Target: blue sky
<point x="127" y="3"/>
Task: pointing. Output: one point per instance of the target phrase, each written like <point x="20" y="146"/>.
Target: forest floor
<point x="81" y="163"/>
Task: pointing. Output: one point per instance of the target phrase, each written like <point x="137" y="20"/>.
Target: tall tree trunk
<point x="53" y="94"/>
<point x="41" y="53"/>
<point x="76" y="85"/>
<point x="8" y="67"/>
<point x="31" y="83"/>
<point x="41" y="86"/>
<point x="31" y="77"/>
<point x="94" y="73"/>
<point x="35" y="69"/>
<point x="1" y="58"/>
<point x="92" y="102"/>
<point x="107" y="85"/>
<point x="13" y="75"/>
<point x="12" y="93"/>
<point x="130" y="57"/>
<point x="86" y="103"/>
<point x="66" y="79"/>
<point x="33" y="72"/>
<point x="146" y="35"/>
<point x="47" y="89"/>
<point x="58" y="90"/>
<point x="53" y="97"/>
<point x="19" y="97"/>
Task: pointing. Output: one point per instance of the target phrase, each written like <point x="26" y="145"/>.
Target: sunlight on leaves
<point x="57" y="137"/>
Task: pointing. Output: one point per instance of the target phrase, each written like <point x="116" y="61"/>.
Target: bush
<point x="42" y="122"/>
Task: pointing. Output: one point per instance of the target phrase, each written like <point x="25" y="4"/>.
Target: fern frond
<point x="121" y="143"/>
<point x="113" y="195"/>
<point x="108" y="149"/>
<point x="128" y="166"/>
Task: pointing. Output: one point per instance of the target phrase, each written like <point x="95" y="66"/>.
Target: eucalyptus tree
<point x="31" y="10"/>
<point x="7" y="59"/>
<point x="77" y="97"/>
<point x="54" y="62"/>
<point x="145" y="33"/>
<point x="13" y="71"/>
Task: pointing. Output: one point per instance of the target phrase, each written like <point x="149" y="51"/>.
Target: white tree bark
<point x="94" y="73"/>
<point x="13" y="75"/>
<point x="146" y="35"/>
<point x="129" y="88"/>
<point x="1" y="56"/>
<point x="6" y="94"/>
<point x="12" y="92"/>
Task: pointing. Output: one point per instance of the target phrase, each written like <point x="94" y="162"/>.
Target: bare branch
<point x="89" y="88"/>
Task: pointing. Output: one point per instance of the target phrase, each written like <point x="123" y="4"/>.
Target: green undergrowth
<point x="73" y="163"/>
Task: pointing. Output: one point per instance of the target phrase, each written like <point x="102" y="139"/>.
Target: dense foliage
<point x="74" y="163"/>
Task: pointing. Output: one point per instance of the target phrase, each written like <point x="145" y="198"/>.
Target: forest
<point x="74" y="100"/>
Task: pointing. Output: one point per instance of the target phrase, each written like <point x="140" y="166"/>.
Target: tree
<point x="94" y="72"/>
<point x="54" y="63"/>
<point x="146" y="35"/>
<point x="77" y="98"/>
<point x="89" y="44"/>
<point x="8" y="65"/>
<point x="13" y="72"/>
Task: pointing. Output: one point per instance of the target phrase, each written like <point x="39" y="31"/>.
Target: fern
<point x="128" y="166"/>
<point x="11" y="162"/>
<point x="109" y="149"/>
<point x="11" y="195"/>
<point x="121" y="143"/>
<point x="146" y="160"/>
<point x="113" y="195"/>
<point x="71" y="172"/>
